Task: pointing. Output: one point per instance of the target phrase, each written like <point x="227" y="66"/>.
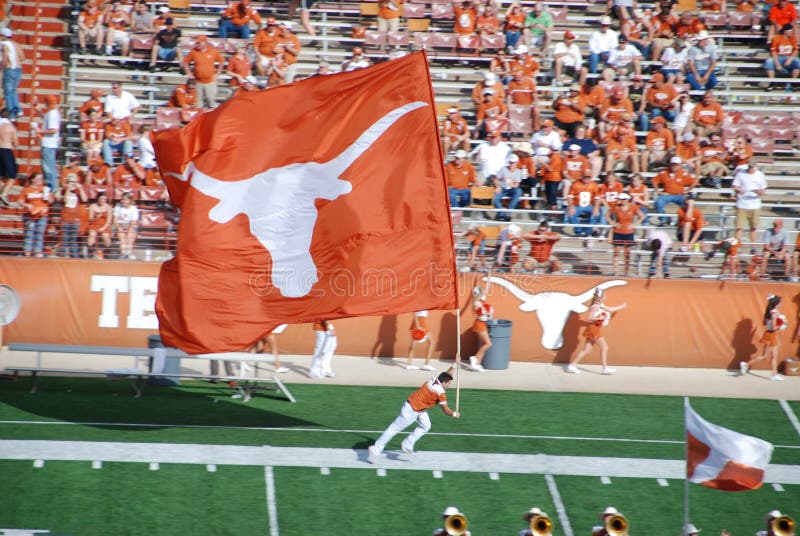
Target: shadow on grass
<point x="106" y="404"/>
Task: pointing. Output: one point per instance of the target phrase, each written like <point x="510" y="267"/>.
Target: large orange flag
<point x="317" y="200"/>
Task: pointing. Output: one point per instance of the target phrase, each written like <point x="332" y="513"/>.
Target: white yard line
<point x="338" y="431"/>
<point x="272" y="502"/>
<point x="561" y="510"/>
<point x="357" y="459"/>
<point x="790" y="415"/>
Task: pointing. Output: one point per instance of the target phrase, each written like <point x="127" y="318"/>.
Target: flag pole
<point x="686" y="458"/>
<point x="458" y="357"/>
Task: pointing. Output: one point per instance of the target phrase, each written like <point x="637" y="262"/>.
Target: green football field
<point x="185" y="496"/>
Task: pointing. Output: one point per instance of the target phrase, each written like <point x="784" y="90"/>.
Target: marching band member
<point x="774" y="322"/>
<point x="449" y="512"/>
<point x="323" y="350"/>
<point x="771" y="529"/>
<point x="599" y="316"/>
<point x="600" y="530"/>
<point x="420" y="333"/>
<point x="528" y="516"/>
<point x="483" y="313"/>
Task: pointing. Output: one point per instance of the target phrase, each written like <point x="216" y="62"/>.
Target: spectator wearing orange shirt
<point x="491" y="116"/>
<point x="609" y="192"/>
<point x="741" y="153"/>
<point x="487" y="23"/>
<point x="614" y="110"/>
<point x="638" y="31"/>
<point x="746" y="6"/>
<point x="688" y="25"/>
<point x="460" y="178"/>
<point x="593" y="96"/>
<point x="95" y="101"/>
<point x="523" y="61"/>
<point x="569" y="110"/>
<point x="676" y="184"/>
<point x="781" y="14"/>
<point x="184" y="96"/>
<point x="583" y="200"/>
<point x="783" y="55"/>
<point x="708" y="115"/>
<point x="542" y="241"/>
<point x="688" y="150"/>
<point x="117" y="138"/>
<point x="72" y="199"/>
<point x="575" y="165"/>
<point x="389" y="15"/>
<point x="624" y="218"/>
<point x="640" y="194"/>
<point x="514" y="22"/>
<point x="204" y="64"/>
<point x="265" y="40"/>
<point x="489" y="82"/>
<point x="621" y="147"/>
<point x="239" y="66"/>
<point x="663" y="25"/>
<point x="117" y="20"/>
<point x="288" y="54"/>
<point x="659" y="145"/>
<point x="90" y="26"/>
<point x="522" y="92"/>
<point x="92" y="132"/>
<point x="713" y="155"/>
<point x="661" y="99"/>
<point x="551" y="167"/>
<point x="690" y="224"/>
<point x="455" y="131"/>
<point x="36" y="199"/>
<point x="129" y="175"/>
<point x="237" y="18"/>
<point x="466" y="15"/>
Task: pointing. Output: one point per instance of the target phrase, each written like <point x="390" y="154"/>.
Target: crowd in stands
<point x="636" y="127"/>
<point x="633" y="110"/>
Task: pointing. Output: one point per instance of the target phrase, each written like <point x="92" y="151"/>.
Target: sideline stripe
<point x="494" y="476"/>
<point x="470" y="462"/>
<point x="790" y="415"/>
<point x="662" y="482"/>
<point x="211" y="468"/>
<point x="559" y="504"/>
<point x="777" y="487"/>
<point x="325" y="471"/>
<point x="380" y="471"/>
<point x="272" y="503"/>
<point x="97" y="465"/>
<point x="343" y="431"/>
<point x="437" y="474"/>
<point x="605" y="480"/>
<point x="154" y="466"/>
<point x="38" y="463"/>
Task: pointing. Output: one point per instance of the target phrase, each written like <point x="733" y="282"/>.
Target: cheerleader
<point x="324" y="348"/>
<point x="599" y="316"/>
<point x="270" y="339"/>
<point x="774" y="322"/>
<point x="420" y="333"/>
<point x="483" y="313"/>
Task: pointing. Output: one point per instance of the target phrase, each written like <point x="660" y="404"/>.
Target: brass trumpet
<point x="541" y="526"/>
<point x="456" y="524"/>
<point x="782" y="526"/>
<point x="617" y="525"/>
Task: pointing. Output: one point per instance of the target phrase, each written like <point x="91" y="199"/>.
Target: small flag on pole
<point x="721" y="458"/>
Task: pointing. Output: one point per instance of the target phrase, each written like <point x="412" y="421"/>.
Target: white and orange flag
<point x="721" y="458"/>
<point x="321" y="199"/>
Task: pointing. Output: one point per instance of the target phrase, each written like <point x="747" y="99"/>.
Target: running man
<point x="431" y="393"/>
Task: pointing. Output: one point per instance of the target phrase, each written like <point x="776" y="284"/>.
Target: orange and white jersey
<point x="431" y="393"/>
<point x="420" y="321"/>
<point x="599" y="315"/>
<point x="483" y="310"/>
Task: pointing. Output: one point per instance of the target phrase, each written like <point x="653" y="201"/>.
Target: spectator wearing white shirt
<point x="126" y="218"/>
<point x="492" y="156"/>
<point x="658" y="241"/>
<point x="776" y="244"/>
<point x="50" y="135"/>
<point x="547" y="137"/>
<point x="568" y="59"/>
<point x="601" y="42"/>
<point x="748" y="185"/>
<point x="673" y="61"/>
<point x="147" y="154"/>
<point x="622" y="60"/>
<point x="121" y="104"/>
<point x="506" y="184"/>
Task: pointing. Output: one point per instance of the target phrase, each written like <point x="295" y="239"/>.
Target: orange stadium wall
<point x="667" y="322"/>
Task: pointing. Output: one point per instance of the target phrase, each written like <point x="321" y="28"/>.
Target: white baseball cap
<point x="514" y="229"/>
<point x="610" y="511"/>
<point x="574" y="147"/>
<point x="535" y="511"/>
<point x="688" y="136"/>
<point x="512" y="158"/>
<point x="452" y="110"/>
<point x="543" y="151"/>
<point x="702" y="34"/>
<point x="522" y="49"/>
<point x="488" y="91"/>
<point x="286" y="24"/>
<point x="490" y="77"/>
<point x="605" y="20"/>
<point x="450" y="511"/>
<point x="163" y="9"/>
<point x="675" y="160"/>
<point x="6" y="32"/>
<point x="252" y="79"/>
<point x="623" y="196"/>
<point x="461" y="153"/>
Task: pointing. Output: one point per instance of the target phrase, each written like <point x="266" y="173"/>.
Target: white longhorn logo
<point x="553" y="308"/>
<point x="279" y="203"/>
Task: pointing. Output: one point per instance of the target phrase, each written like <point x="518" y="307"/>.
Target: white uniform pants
<point x="324" y="348"/>
<point x="406" y="417"/>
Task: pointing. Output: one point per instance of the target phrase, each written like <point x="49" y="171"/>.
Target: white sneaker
<point x="474" y="365"/>
<point x="573" y="369"/>
<point x="777" y="378"/>
<point x="412" y="367"/>
<point x="609" y="370"/>
<point x="329" y="374"/>
<point x="744" y="367"/>
<point x="407" y="449"/>
<point x="281" y="370"/>
<point x="428" y="367"/>
<point x="316" y="375"/>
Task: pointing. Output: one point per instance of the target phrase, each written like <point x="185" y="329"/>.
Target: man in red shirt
<point x="460" y="178"/>
<point x="676" y="183"/>
<point x="204" y="64"/>
<point x="455" y="131"/>
<point x="583" y="199"/>
<point x="237" y="18"/>
<point x="117" y="138"/>
<point x="783" y="55"/>
<point x="542" y="241"/>
<point x="781" y="14"/>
